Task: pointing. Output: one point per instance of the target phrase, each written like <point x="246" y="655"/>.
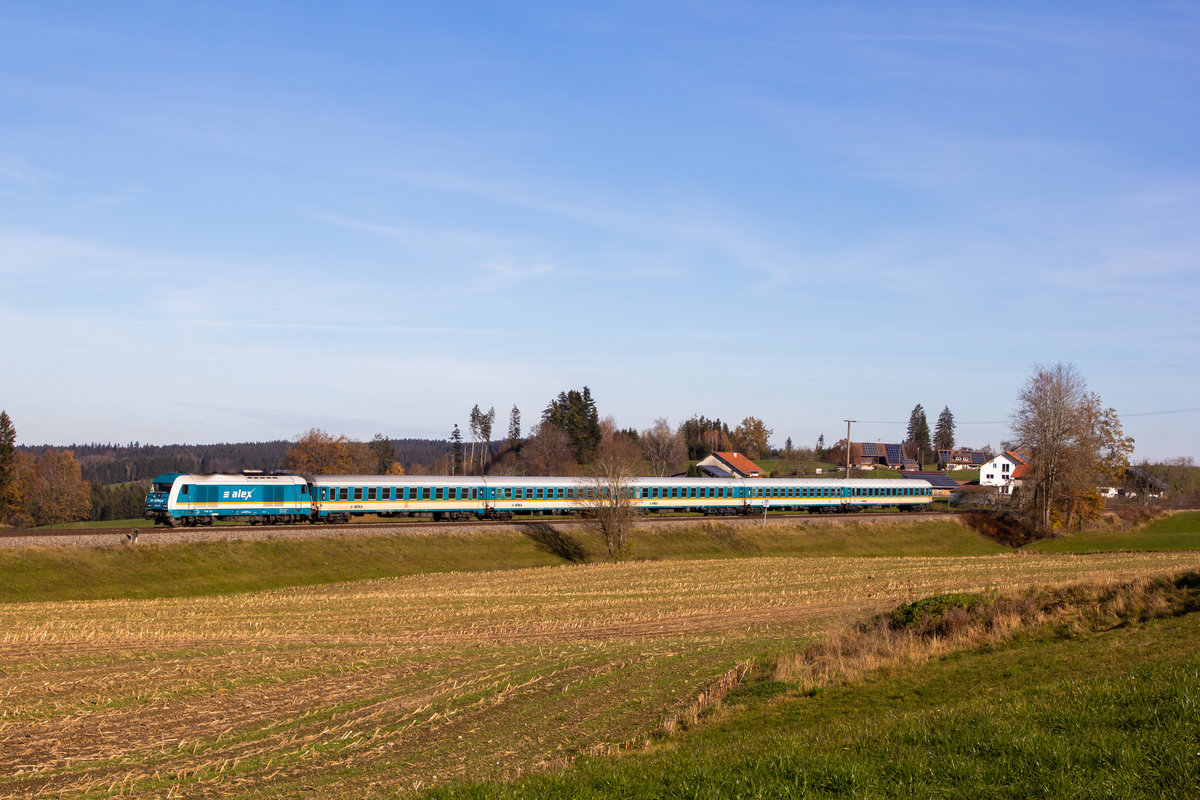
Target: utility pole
<point x="848" y="421"/>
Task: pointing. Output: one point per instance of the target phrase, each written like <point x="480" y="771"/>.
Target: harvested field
<point x="382" y="687"/>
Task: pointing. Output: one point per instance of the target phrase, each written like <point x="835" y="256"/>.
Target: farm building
<point x="728" y="465"/>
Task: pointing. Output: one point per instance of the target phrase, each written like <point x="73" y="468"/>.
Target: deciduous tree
<point x="663" y="448"/>
<point x="54" y="492"/>
<point x="549" y="451"/>
<point x="1075" y="445"/>
<point x="319" y="453"/>
<point x="753" y="437"/>
<point x="608" y="502"/>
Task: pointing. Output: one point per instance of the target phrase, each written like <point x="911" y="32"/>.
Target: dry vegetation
<point x="381" y="687"/>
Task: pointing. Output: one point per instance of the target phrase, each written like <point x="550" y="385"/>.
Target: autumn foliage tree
<point x="753" y="437"/>
<point x="319" y="453"/>
<point x="50" y="489"/>
<point x="1076" y="446"/>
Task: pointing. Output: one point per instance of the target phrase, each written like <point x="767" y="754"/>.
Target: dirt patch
<point x="1005" y="527"/>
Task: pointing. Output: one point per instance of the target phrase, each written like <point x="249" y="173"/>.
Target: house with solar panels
<point x="1005" y="471"/>
<point x="962" y="458"/>
<point x="869" y="455"/>
<point x="729" y="465"/>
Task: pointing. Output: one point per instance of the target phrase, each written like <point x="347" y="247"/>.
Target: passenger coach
<point x="270" y="498"/>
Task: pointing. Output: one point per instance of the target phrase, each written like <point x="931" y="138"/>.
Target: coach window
<point x="358" y="493"/>
<point x="371" y="493"/>
<point x="508" y="494"/>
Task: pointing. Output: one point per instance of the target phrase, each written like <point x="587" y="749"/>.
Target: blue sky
<point x="237" y="221"/>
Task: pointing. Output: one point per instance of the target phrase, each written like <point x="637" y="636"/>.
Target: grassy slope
<point x="1177" y="532"/>
<point x="1108" y="715"/>
<point x="61" y="573"/>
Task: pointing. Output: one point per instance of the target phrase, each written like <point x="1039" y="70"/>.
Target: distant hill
<point x="122" y="463"/>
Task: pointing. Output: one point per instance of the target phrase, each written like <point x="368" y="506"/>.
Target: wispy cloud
<point x="18" y="170"/>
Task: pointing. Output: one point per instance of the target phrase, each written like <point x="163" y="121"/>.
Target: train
<point x="190" y="499"/>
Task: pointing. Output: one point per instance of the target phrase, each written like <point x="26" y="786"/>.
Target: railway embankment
<point x="123" y="537"/>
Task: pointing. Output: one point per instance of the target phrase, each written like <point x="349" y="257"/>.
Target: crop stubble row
<point x="402" y="680"/>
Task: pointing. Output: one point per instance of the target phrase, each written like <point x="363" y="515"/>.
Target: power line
<point x="1159" y="413"/>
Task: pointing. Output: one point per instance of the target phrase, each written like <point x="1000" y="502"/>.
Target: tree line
<point x="1075" y="445"/>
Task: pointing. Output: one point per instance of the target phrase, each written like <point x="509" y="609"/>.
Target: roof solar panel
<point x="870" y="449"/>
<point x="933" y="478"/>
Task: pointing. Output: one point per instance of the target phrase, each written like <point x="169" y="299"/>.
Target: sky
<point x="236" y="221"/>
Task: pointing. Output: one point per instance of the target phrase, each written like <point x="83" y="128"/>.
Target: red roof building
<point x="733" y="463"/>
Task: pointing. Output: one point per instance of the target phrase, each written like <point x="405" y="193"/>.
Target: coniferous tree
<point x="943" y="434"/>
<point x="485" y="432"/>
<point x="381" y="449"/>
<point x="8" y="461"/>
<point x="514" y="428"/>
<point x="918" y="434"/>
<point x="473" y="426"/>
<point x="456" y="451"/>
<point x="575" y="413"/>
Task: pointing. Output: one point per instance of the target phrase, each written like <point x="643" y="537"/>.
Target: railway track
<point x="416" y="525"/>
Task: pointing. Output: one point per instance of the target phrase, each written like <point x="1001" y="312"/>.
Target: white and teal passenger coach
<point x="257" y="497"/>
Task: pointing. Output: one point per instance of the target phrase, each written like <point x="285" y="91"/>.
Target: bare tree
<point x="549" y="451"/>
<point x="664" y="448"/>
<point x="608" y="502"/>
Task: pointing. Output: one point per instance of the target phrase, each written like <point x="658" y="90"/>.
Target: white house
<point x="1004" y="471"/>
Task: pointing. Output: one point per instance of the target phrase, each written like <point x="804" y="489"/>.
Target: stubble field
<point x="383" y="687"/>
